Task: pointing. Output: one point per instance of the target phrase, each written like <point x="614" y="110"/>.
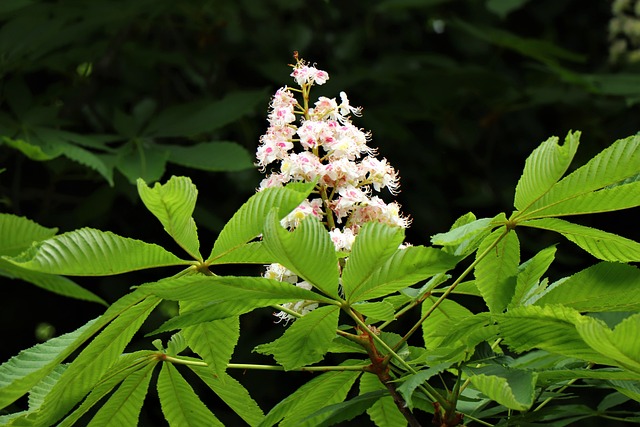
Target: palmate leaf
<point x="213" y="341"/>
<point x="123" y="407"/>
<point x="92" y="363"/>
<point x="606" y="286"/>
<point x="600" y="244"/>
<point x="513" y="388"/>
<point x="225" y="296"/>
<point x="324" y="390"/>
<point x="127" y="364"/>
<point x="384" y="412"/>
<point x="496" y="272"/>
<point x="543" y="168"/>
<point x="180" y="405"/>
<point x="307" y="251"/>
<point x="375" y="243"/>
<point x="551" y="328"/>
<point x="22" y="372"/>
<point x="248" y="222"/>
<point x="89" y="252"/>
<point x="17" y="233"/>
<point x="50" y="282"/>
<point x="173" y="204"/>
<point x="232" y="393"/>
<point x="621" y="344"/>
<point x="529" y="275"/>
<point x="614" y="164"/>
<point x="404" y="268"/>
<point x="306" y="341"/>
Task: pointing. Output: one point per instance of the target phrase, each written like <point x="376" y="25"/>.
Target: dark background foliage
<point x="456" y="94"/>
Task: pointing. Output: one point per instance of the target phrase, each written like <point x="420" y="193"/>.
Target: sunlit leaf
<point x="214" y="341"/>
<point x="529" y="275"/>
<point x="17" y="233"/>
<point x="513" y="388"/>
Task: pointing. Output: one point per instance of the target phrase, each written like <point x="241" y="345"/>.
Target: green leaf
<point x="497" y="270"/>
<point x="606" y="286"/>
<point x="440" y="322"/>
<point x="621" y="344"/>
<point x="123" y="407"/>
<point x="225" y="296"/>
<point x="551" y="328"/>
<point x="140" y="158"/>
<point x="306" y="341"/>
<point x="616" y="163"/>
<point x="376" y="310"/>
<point x="50" y="282"/>
<point x="543" y="168"/>
<point x="22" y="372"/>
<point x="93" y="362"/>
<point x="33" y="151"/>
<point x="466" y="234"/>
<point x="126" y="364"/>
<point x="232" y="393"/>
<point x="248" y="222"/>
<point x="173" y="204"/>
<point x="384" y="412"/>
<point x="513" y="388"/>
<point x="17" y="233"/>
<point x="345" y="411"/>
<point x="249" y="253"/>
<point x="89" y="252"/>
<point x="600" y="244"/>
<point x="374" y="244"/>
<point x="404" y="268"/>
<point x="307" y="251"/>
<point x="323" y="390"/>
<point x="204" y="116"/>
<point x="211" y="156"/>
<point x="214" y="341"/>
<point x="180" y="405"/>
<point x="529" y="275"/>
<point x="503" y="7"/>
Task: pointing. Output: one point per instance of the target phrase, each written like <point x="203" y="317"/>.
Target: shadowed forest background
<point x="456" y="94"/>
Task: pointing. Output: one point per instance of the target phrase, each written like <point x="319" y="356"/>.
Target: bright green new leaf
<point x="375" y="243"/>
<point x="543" y="168"/>
<point x="232" y="393"/>
<point x="384" y="412"/>
<point x="22" y="372"/>
<point x="17" y="233"/>
<point x="93" y="362"/>
<point x="180" y="405"/>
<point x="621" y="344"/>
<point x="380" y="310"/>
<point x="325" y="389"/>
<point x="214" y="341"/>
<point x="173" y="204"/>
<point x="51" y="282"/>
<point x="465" y="234"/>
<point x="249" y="253"/>
<point x="616" y="163"/>
<point x="513" y="388"/>
<point x="211" y="156"/>
<point x="306" y="341"/>
<point x="551" y="328"/>
<point x="404" y="268"/>
<point x="126" y="365"/>
<point x="123" y="407"/>
<point x="38" y="393"/>
<point x="89" y="252"/>
<point x="497" y="270"/>
<point x="529" y="275"/>
<point x="307" y="251"/>
<point x="248" y="222"/>
<point x="606" y="286"/>
<point x="600" y="244"/>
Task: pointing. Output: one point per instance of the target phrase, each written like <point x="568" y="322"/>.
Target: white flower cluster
<point x="319" y="143"/>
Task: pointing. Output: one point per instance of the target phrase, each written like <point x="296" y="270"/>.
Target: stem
<point x="560" y="390"/>
<point x="450" y="289"/>
<point x="244" y="366"/>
